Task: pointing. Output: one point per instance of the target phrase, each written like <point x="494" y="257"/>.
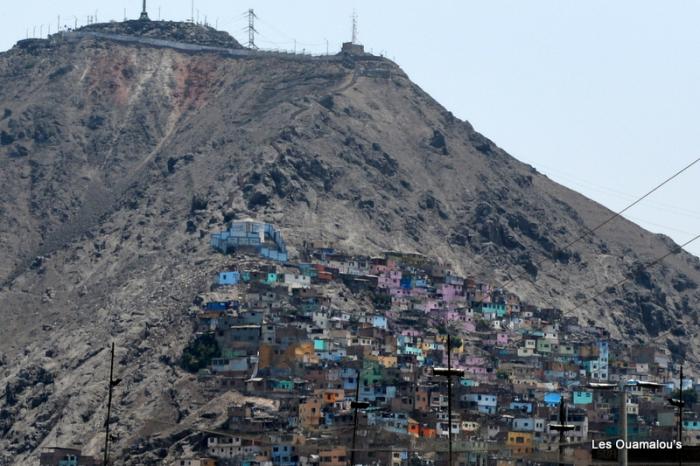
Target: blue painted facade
<point x="284" y="455"/>
<point x="249" y="234"/>
<point x="228" y="278"/>
<point x="583" y="398"/>
<point x="522" y="406"/>
<point x="552" y="399"/>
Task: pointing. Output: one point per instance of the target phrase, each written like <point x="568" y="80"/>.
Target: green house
<point x="320" y="345"/>
<point x="286" y="385"/>
<point x="544" y="346"/>
<point x="583" y="398"/>
<point x="371" y="373"/>
<point x="499" y="310"/>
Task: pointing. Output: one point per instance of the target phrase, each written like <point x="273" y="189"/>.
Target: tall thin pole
<point x="251" y="29"/>
<point x="680" y="408"/>
<point x="109" y="407"/>
<point x="449" y="398"/>
<point x="354" y="27"/>
<point x="354" y="428"/>
<point x="562" y="421"/>
<point x="623" y="426"/>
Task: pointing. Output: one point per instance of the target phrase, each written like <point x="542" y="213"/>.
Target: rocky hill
<point x="118" y="159"/>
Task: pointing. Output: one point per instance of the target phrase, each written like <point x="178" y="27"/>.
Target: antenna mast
<point x="354" y="27"/>
<point x="144" y="14"/>
<point x="251" y="29"/>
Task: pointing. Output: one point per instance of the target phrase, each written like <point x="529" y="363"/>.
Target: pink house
<point x="475" y="361"/>
<point x="431" y="305"/>
<point x="390" y="279"/>
<point x="449" y="292"/>
<point x="502" y="339"/>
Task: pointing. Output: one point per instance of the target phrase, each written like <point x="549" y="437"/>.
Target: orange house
<point x="520" y="442"/>
<point x="413" y="427"/>
<point x="330" y="396"/>
<point x="335" y="457"/>
<point x="310" y="412"/>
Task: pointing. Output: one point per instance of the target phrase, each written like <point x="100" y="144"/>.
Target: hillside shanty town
<point x="395" y="360"/>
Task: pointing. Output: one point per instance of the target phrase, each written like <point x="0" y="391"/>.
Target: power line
<point x="675" y="250"/>
<point x="605" y="222"/>
<point x="586" y="184"/>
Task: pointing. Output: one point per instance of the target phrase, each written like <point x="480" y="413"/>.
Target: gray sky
<point x="601" y="96"/>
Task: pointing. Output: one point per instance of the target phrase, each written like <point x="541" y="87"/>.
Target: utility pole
<point x="680" y="407"/>
<point x="449" y="373"/>
<point x="192" y="11"/>
<point x="112" y="383"/>
<point x="679" y="403"/>
<point x="623" y="426"/>
<point x="356" y="405"/>
<point x="562" y="428"/>
<point x="251" y="29"/>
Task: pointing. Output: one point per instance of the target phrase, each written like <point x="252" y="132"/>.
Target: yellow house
<point x="520" y="442"/>
<point x="387" y="361"/>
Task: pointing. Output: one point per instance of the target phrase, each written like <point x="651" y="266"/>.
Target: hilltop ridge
<point x="179" y="31"/>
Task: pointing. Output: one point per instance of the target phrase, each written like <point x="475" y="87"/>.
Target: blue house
<point x="228" y="278"/>
<point x="284" y="454"/>
<point x="260" y="237"/>
<point x="552" y="399"/>
<point x="522" y="406"/>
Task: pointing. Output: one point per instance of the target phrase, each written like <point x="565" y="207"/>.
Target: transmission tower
<point x="354" y="27"/>
<point x="251" y="29"/>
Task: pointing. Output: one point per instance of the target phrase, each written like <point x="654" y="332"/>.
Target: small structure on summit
<point x="250" y="235"/>
<point x="144" y="14"/>
<point x="352" y="47"/>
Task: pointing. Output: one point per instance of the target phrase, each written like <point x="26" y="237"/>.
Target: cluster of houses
<point x="315" y="336"/>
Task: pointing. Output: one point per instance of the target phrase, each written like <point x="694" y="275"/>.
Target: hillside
<point x="118" y="159"/>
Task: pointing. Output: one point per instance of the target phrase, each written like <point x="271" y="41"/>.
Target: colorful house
<point x="228" y="278"/>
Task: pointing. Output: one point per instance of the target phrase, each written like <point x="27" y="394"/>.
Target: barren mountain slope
<point x="118" y="159"/>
